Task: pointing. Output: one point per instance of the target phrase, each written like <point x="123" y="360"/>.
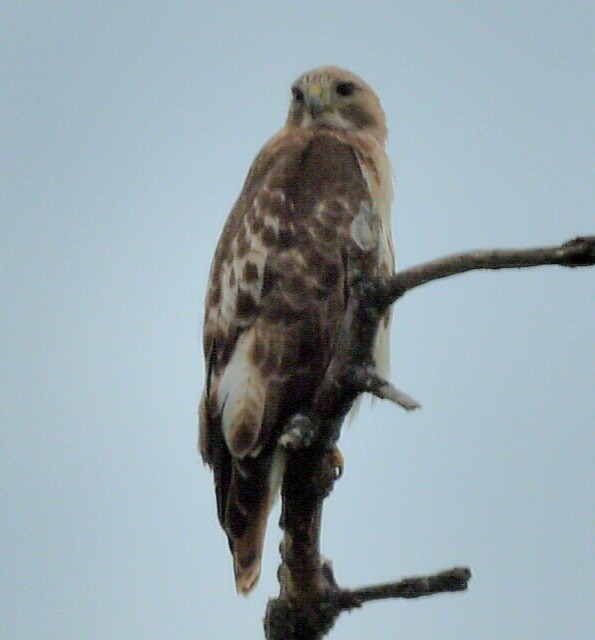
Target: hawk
<point x="317" y="194"/>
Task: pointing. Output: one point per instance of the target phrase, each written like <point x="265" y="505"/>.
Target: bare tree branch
<point x="579" y="252"/>
<point x="313" y="622"/>
<point x="451" y="580"/>
<point x="310" y="600"/>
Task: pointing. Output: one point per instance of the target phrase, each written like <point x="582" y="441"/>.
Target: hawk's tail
<point x="247" y="551"/>
<point x="253" y="488"/>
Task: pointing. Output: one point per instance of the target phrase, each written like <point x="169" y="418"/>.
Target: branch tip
<point x="367" y="380"/>
<point x="579" y="252"/>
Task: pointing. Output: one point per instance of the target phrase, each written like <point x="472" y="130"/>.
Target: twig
<point x="369" y="381"/>
<point x="415" y="587"/>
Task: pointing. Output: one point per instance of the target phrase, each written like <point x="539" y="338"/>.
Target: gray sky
<point x="126" y="130"/>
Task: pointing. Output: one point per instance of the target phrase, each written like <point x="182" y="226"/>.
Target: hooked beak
<point x="317" y="100"/>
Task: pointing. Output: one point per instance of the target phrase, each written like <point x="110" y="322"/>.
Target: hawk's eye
<point x="298" y="94"/>
<point x="345" y="89"/>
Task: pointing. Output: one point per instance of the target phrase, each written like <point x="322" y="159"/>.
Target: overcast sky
<point x="126" y="130"/>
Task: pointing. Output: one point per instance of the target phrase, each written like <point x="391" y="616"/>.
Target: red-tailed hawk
<point x="318" y="192"/>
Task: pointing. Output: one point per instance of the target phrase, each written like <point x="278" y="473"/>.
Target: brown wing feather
<point x="276" y="300"/>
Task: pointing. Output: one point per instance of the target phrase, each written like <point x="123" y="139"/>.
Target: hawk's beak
<point x="317" y="100"/>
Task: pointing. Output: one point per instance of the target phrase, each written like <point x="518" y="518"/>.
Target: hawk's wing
<point x="276" y="299"/>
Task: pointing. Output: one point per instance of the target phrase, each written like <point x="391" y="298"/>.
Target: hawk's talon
<point x="337" y="461"/>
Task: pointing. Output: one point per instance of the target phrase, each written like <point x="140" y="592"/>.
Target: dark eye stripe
<point x="345" y="89"/>
<point x="298" y="94"/>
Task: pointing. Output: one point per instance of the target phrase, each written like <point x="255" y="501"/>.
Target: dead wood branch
<point x="579" y="252"/>
<point x="310" y="599"/>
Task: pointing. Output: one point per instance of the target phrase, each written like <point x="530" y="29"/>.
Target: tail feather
<point x="247" y="551"/>
<point x="254" y="487"/>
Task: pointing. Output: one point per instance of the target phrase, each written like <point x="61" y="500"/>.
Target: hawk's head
<point x="335" y="98"/>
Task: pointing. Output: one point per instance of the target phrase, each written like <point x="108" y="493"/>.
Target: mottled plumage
<point x="318" y="192"/>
